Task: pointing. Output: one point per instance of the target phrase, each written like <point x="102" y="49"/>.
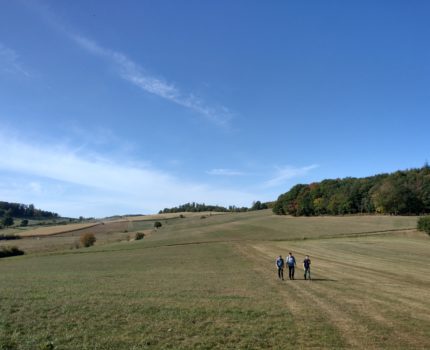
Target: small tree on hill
<point x="139" y="236"/>
<point x="424" y="224"/>
<point x="157" y="224"/>
<point x="87" y="239"/>
<point x="7" y="221"/>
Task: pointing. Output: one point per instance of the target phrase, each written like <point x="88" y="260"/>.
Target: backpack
<point x="280" y="262"/>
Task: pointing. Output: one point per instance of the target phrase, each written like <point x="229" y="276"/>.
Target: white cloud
<point x="9" y="61"/>
<point x="224" y="172"/>
<point x="35" y="187"/>
<point x="135" y="74"/>
<point x="75" y="184"/>
<point x="287" y="173"/>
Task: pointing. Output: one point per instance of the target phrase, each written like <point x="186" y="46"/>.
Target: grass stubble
<point x="211" y="284"/>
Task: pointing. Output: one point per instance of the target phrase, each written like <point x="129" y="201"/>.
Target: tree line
<point x="197" y="207"/>
<point x="19" y="210"/>
<point x="399" y="193"/>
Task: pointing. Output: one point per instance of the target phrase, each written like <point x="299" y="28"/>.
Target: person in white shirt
<point x="291" y="262"/>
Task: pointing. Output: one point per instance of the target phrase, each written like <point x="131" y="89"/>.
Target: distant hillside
<point x="402" y="192"/>
<point x="19" y="210"/>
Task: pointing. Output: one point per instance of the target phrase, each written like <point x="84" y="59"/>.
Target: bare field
<point x="55" y="230"/>
<point x="58" y="239"/>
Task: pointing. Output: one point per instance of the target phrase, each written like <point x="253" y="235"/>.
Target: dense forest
<point x="400" y="193"/>
<point x="19" y="210"/>
<point x="196" y="207"/>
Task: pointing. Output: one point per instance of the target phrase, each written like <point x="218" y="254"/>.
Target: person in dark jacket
<point x="280" y="265"/>
<point x="307" y="267"/>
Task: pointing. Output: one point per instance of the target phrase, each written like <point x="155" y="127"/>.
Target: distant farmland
<point x="55" y="230"/>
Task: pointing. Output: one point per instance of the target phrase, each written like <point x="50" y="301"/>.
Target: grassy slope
<point x="210" y="283"/>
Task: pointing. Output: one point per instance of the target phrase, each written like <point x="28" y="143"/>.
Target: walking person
<point x="307" y="267"/>
<point x="280" y="265"/>
<point x="291" y="262"/>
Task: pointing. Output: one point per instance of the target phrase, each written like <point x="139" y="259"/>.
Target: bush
<point x="157" y="224"/>
<point x="24" y="223"/>
<point x="182" y="216"/>
<point x="10" y="251"/>
<point x="9" y="237"/>
<point x="424" y="224"/>
<point x="7" y="221"/>
<point x="87" y="239"/>
<point x="139" y="236"/>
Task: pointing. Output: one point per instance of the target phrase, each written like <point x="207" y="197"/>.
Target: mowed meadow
<point x="209" y="282"/>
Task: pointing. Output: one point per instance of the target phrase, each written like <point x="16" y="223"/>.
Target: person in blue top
<point x="280" y="265"/>
<point x="291" y="262"/>
<point x="307" y="267"/>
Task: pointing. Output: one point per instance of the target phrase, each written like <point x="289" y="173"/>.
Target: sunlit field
<point x="209" y="282"/>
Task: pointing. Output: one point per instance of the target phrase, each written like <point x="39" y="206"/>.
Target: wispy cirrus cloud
<point x="224" y="172"/>
<point x="10" y="62"/>
<point x="136" y="75"/>
<point x="287" y="173"/>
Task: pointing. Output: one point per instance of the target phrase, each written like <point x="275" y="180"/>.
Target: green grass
<point x="180" y="297"/>
<point x="263" y="225"/>
<point x="374" y="288"/>
<point x="211" y="284"/>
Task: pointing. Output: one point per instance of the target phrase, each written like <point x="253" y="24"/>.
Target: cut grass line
<point x="233" y="240"/>
<point x="56" y="230"/>
<point x="315" y="330"/>
<point x="385" y="308"/>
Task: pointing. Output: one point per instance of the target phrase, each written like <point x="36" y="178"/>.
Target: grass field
<point x="210" y="283"/>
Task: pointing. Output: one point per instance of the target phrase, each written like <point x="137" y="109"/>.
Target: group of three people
<point x="290" y="261"/>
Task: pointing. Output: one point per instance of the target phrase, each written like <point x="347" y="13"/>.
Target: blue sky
<point x="129" y="107"/>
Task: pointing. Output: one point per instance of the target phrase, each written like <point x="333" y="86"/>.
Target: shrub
<point x="203" y="217"/>
<point x="139" y="236"/>
<point x="87" y="239"/>
<point x="424" y="224"/>
<point x="182" y="216"/>
<point x="8" y="237"/>
<point x="24" y="223"/>
<point x="157" y="224"/>
<point x="7" y="221"/>
<point x="10" y="251"/>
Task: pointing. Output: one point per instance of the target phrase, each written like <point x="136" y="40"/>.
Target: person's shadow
<point x="319" y="280"/>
